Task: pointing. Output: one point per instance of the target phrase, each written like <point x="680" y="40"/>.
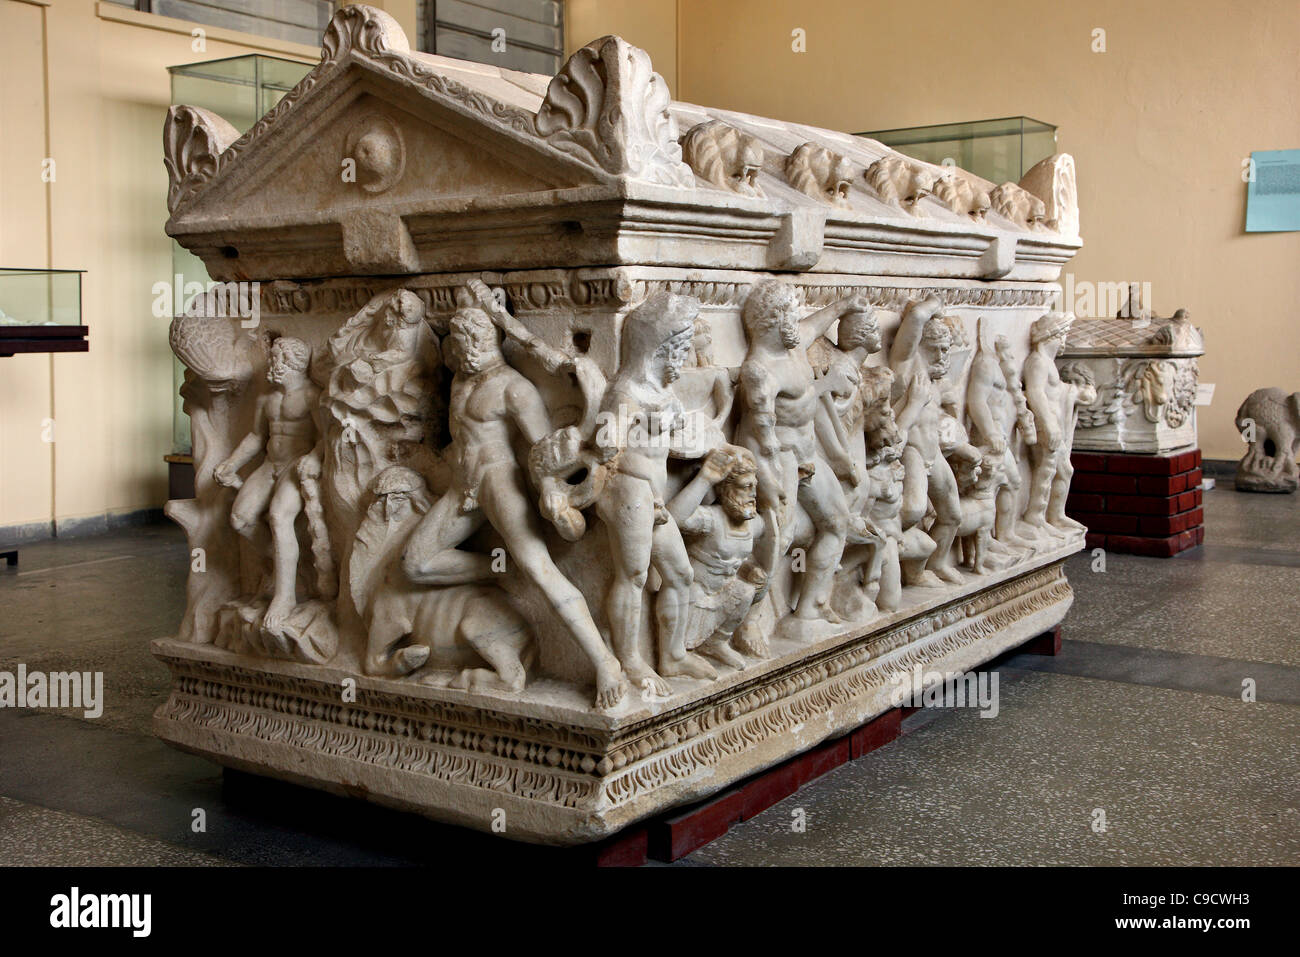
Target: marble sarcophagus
<point x="1141" y="373"/>
<point x="573" y="453"/>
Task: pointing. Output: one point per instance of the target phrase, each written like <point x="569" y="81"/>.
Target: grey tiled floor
<point x="33" y="836"/>
<point x="1183" y="779"/>
<point x="1140" y="716"/>
<point x="1251" y="521"/>
<point x="1225" y="608"/>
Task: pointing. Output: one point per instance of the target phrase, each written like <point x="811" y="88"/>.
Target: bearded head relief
<point x="473" y="342"/>
<point x="289" y="357"/>
<point x="936" y="346"/>
<point x="772" y="309"/>
<point x="738" y="490"/>
<point x="859" y="329"/>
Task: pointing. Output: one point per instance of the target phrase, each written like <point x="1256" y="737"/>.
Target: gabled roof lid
<point x="387" y="161"/>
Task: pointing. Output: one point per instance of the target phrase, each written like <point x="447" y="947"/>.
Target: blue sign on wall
<point x="1273" y="195"/>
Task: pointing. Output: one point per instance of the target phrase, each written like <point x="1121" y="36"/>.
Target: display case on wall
<point x="239" y="90"/>
<point x="40" y="311"/>
<point x="1001" y="151"/>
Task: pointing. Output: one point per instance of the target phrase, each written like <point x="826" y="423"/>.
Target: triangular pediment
<point x="370" y="148"/>
<point x="359" y="135"/>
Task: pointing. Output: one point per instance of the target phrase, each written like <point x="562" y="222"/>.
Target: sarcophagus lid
<point x="385" y="161"/>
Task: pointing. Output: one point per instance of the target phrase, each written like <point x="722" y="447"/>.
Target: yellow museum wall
<point x="1159" y="125"/>
<point x="26" y="462"/>
<point x="101" y="102"/>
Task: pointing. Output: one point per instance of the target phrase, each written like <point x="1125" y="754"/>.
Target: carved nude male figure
<point x="996" y="406"/>
<point x="642" y="420"/>
<point x="491" y="404"/>
<point x="840" y="416"/>
<point x="1054" y="405"/>
<point x="919" y="358"/>
<point x="284" y="426"/>
<point x="778" y="424"/>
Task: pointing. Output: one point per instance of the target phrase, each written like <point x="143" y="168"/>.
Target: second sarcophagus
<point x="1139" y="374"/>
<point x="564" y="453"/>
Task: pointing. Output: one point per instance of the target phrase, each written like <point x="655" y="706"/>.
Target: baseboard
<point x="1219" y="468"/>
<point x="80" y="526"/>
<point x="25" y="533"/>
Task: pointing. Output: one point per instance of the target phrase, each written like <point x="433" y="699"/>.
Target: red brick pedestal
<point x="1139" y="504"/>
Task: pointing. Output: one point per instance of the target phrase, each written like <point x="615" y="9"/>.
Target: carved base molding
<point x="545" y="771"/>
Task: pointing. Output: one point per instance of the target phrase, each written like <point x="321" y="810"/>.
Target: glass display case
<point x="239" y="90"/>
<point x="40" y="311"/>
<point x="1001" y="150"/>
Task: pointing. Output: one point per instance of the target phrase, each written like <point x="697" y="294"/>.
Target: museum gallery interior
<point x="672" y="432"/>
